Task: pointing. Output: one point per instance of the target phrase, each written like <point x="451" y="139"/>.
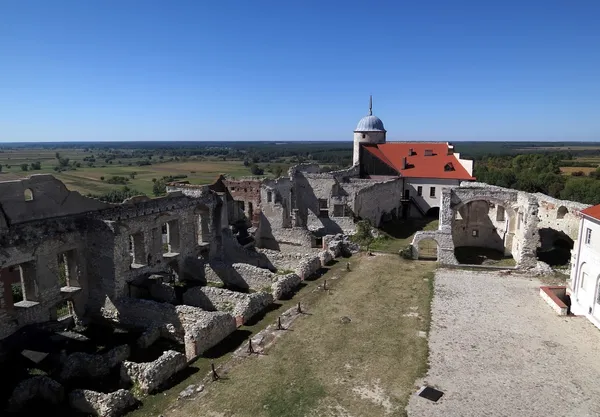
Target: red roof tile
<point x="593" y="211"/>
<point x="419" y="165"/>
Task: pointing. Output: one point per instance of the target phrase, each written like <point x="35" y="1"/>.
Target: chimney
<point x="428" y="152"/>
<point x="411" y="152"/>
<point x="404" y="163"/>
<point x="450" y="149"/>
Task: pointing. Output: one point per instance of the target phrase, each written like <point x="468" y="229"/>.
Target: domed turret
<point x="369" y="130"/>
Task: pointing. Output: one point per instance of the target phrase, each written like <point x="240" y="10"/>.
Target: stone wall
<point x="285" y="286"/>
<point x="242" y="306"/>
<point x="240" y="276"/>
<point x="308" y="266"/>
<point x="206" y="331"/>
<point x="147" y="377"/>
<point x="112" y="404"/>
<point x="481" y="215"/>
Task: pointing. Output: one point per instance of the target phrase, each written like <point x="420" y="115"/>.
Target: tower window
<point x="364" y="136"/>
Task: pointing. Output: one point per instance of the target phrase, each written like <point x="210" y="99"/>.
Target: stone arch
<point x="486" y="222"/>
<point x="426" y="238"/>
<point x="561" y="212"/>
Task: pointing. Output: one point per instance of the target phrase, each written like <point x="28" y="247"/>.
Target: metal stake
<point x="279" y="327"/>
<point x="299" y="310"/>
<point x="250" y="348"/>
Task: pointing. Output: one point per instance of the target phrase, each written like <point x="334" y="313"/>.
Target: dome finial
<point x="370" y="105"/>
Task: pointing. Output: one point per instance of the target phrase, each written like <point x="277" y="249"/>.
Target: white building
<point x="585" y="267"/>
<point x="426" y="167"/>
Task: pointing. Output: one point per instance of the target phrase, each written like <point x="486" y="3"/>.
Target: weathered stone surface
<point x="85" y="365"/>
<point x="149" y="376"/>
<point x="205" y="329"/>
<point x="113" y="404"/>
<point x="308" y="266"/>
<point x="150" y="335"/>
<point x="161" y="291"/>
<point x="340" y="245"/>
<point x="325" y="257"/>
<point x="34" y="389"/>
<point x="240" y="305"/>
<point x="285" y="285"/>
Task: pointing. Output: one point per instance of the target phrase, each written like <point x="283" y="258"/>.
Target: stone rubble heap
<point x="94" y="403"/>
<point x="85" y="365"/>
<point x="36" y="388"/>
<point x="147" y="377"/>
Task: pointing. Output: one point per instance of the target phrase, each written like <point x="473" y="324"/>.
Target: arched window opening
<point x="28" y="194"/>
<point x="562" y="211"/>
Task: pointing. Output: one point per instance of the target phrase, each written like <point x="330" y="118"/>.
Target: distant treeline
<point x="538" y="173"/>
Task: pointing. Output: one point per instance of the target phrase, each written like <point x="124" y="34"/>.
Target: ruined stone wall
<point x="241" y="305"/>
<point x="50" y="198"/>
<point x="375" y="200"/>
<point x="248" y="191"/>
<point x="561" y="215"/>
<point x="239" y="275"/>
<point x="470" y="215"/>
<point x="35" y="246"/>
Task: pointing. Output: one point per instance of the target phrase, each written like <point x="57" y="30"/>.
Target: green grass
<point x="156" y="404"/>
<point x="398" y="234"/>
<point x="367" y="367"/>
<point x="85" y="179"/>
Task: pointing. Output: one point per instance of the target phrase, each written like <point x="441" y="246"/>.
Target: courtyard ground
<point x="496" y="349"/>
<point x="327" y="366"/>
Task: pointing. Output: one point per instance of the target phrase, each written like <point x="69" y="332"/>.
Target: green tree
<point x="24" y="167"/>
<point x="159" y="188"/>
<point x="363" y="235"/>
<point x="277" y="171"/>
<point x="36" y="165"/>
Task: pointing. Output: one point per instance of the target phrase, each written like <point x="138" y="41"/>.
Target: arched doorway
<point x="427" y="250"/>
<point x="555" y="247"/>
<point x="433" y="212"/>
<point x="483" y="231"/>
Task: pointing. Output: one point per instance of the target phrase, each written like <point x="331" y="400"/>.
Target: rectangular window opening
<point x="588" y="236"/>
<point x="339" y="210"/>
<point x="137" y="249"/>
<point x="64" y="309"/>
<point x="500" y="214"/>
<point x="172" y="237"/>
<point x="203" y="228"/>
<point x="419" y="191"/>
<point x="432" y="192"/>
<point x="68" y="269"/>
<point x="475" y="233"/>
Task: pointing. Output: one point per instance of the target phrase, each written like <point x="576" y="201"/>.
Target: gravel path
<point x="497" y="349"/>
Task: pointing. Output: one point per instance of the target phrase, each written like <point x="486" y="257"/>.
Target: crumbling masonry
<point x="514" y="222"/>
<point x="88" y="288"/>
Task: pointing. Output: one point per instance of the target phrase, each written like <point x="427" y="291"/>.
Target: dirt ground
<point x="497" y="349"/>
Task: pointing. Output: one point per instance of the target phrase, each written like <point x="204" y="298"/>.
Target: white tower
<point x="369" y="130"/>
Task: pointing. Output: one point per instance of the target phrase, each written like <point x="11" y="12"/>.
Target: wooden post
<point x="250" y="348"/>
<point x="279" y="323"/>
<point x="215" y="375"/>
<point x="325" y="284"/>
<point x="299" y="310"/>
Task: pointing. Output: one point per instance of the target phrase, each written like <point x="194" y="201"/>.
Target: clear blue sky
<point x="298" y="70"/>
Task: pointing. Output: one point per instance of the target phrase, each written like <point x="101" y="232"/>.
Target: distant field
<point x="93" y="179"/>
<point x="569" y="170"/>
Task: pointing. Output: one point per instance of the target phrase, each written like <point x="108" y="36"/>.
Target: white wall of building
<point x="585" y="271"/>
<point x="426" y="201"/>
<point x="365" y="137"/>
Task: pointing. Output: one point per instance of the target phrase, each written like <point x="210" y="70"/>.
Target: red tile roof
<point x="419" y="165"/>
<point x="593" y="211"/>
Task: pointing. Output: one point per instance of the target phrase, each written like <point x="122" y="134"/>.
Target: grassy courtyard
<point x="325" y="367"/>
